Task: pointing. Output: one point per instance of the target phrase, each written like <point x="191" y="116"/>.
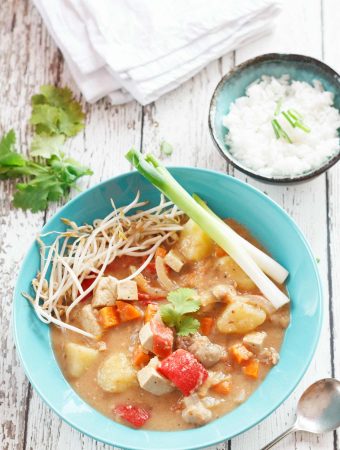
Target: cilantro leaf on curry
<point x="181" y="302"/>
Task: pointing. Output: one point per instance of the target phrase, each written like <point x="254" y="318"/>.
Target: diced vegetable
<point x="252" y="368"/>
<point x="108" y="317"/>
<point x="140" y="357"/>
<point x="78" y="358"/>
<point x="222" y="388"/>
<point x="150" y="312"/>
<point x="240" y="318"/>
<point x="145" y="298"/>
<point x="86" y="283"/>
<point x="184" y="371"/>
<point x="194" y="244"/>
<point x="127" y="311"/>
<point x="219" y="252"/>
<point x="163" y="338"/>
<point x="207" y="324"/>
<point x="217" y="230"/>
<point x="229" y="266"/>
<point x="240" y="353"/>
<point x="116" y="374"/>
<point x="160" y="252"/>
<point x="135" y="415"/>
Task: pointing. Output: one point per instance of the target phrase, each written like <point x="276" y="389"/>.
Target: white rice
<point x="252" y="140"/>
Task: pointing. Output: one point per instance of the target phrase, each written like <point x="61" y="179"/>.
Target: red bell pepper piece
<point x="163" y="338"/>
<point x="135" y="415"/>
<point x="86" y="283"/>
<point x="183" y="370"/>
<point x="145" y="298"/>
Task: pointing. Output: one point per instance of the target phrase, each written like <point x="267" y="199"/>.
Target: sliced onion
<point x="162" y="275"/>
<point x="144" y="285"/>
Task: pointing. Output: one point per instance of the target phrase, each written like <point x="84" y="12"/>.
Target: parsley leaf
<point x="46" y="146"/>
<point x="54" y="111"/>
<point x="8" y="155"/>
<point x="188" y="325"/>
<point x="51" y="182"/>
<point x="182" y="301"/>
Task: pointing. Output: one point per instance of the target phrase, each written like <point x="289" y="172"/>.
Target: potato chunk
<point x="194" y="244"/>
<point x="116" y="374"/>
<point x="229" y="266"/>
<point x="240" y="318"/>
<point x="78" y="358"/>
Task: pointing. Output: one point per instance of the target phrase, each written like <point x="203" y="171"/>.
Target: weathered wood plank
<point x="20" y="74"/>
<point x="331" y="47"/>
<point x="300" y="202"/>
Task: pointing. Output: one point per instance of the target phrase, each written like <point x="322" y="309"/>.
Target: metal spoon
<point x="318" y="410"/>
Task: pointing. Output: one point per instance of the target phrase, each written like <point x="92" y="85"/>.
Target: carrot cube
<point x="252" y="368"/>
<point x="240" y="353"/>
<point x="222" y="388"/>
<point x="127" y="311"/>
<point x="160" y="252"/>
<point x="150" y="312"/>
<point x="108" y="317"/>
<point x="140" y="358"/>
<point x="207" y="324"/>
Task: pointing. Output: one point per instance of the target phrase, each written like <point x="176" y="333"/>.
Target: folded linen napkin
<point x="145" y="48"/>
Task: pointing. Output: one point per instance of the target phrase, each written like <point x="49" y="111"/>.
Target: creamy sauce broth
<point x="165" y="414"/>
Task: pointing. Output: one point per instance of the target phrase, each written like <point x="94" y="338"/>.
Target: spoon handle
<point x="284" y="434"/>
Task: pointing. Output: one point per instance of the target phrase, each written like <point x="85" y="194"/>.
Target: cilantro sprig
<point x="49" y="174"/>
<point x="182" y="302"/>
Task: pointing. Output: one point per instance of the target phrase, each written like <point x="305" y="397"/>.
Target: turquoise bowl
<point x="229" y="197"/>
<point x="234" y="84"/>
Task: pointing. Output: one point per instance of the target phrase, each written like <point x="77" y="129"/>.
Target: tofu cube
<point x="78" y="358"/>
<point x="105" y="294"/>
<point x="254" y="341"/>
<point x="88" y="321"/>
<point x="152" y="381"/>
<point x="127" y="290"/>
<point x="174" y="261"/>
<point x="116" y="374"/>
<point x="146" y="337"/>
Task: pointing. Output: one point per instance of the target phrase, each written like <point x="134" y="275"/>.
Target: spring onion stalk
<point x="280" y="132"/>
<point x="269" y="266"/>
<point x="153" y="171"/>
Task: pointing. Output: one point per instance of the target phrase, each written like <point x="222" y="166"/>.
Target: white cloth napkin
<point x="144" y="48"/>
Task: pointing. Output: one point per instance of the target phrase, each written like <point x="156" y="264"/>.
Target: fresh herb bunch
<point x="55" y="117"/>
<point x="182" y="301"/>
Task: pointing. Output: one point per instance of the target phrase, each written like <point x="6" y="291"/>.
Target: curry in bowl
<point x="153" y="322"/>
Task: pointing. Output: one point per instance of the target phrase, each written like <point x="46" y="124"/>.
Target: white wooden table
<point x="29" y="58"/>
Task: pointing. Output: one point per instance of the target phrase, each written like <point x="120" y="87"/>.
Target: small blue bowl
<point x="234" y="85"/>
<point x="229" y="197"/>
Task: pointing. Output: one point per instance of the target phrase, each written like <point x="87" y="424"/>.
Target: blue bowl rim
<point x="122" y="443"/>
<point x="268" y="57"/>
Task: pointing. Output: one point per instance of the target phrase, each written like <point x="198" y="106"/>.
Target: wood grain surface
<point x="29" y="58"/>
